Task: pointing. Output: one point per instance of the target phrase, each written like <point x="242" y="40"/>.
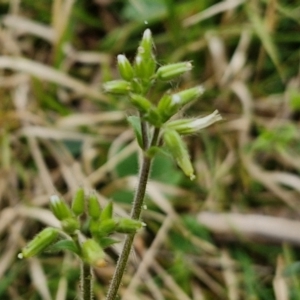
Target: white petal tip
<point x="147" y="34"/>
<point x="54" y="198"/>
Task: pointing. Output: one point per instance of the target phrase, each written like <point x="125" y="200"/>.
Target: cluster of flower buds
<point x="138" y="78"/>
<point x="101" y="224"/>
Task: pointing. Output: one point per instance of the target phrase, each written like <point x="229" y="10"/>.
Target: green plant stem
<point x="135" y="214"/>
<point x="86" y="282"/>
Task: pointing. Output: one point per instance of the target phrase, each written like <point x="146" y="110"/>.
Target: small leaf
<point x="64" y="245"/>
<point x="136" y="126"/>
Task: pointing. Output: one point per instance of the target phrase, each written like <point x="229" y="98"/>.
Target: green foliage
<point x="278" y="139"/>
<point x="64" y="245"/>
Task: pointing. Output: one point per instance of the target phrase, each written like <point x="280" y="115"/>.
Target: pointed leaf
<point x="63" y="245"/>
<point x="136" y="126"/>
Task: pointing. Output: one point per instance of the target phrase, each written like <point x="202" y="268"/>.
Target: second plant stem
<point x="135" y="215"/>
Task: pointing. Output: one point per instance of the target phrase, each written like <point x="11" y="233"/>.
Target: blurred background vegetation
<point x="234" y="232"/>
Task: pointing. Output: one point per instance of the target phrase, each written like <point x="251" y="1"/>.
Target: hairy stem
<point x="135" y="214"/>
<point x="86" y="282"/>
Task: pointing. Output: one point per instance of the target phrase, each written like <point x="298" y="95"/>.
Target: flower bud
<point x="106" y="227"/>
<point x="70" y="225"/>
<point x="94" y="208"/>
<point x="169" y="105"/>
<point x="173" y="71"/>
<point x="121" y="87"/>
<point x="145" y="63"/>
<point x="166" y="108"/>
<point x="179" y="151"/>
<point x="144" y="68"/>
<point x="140" y="102"/>
<point x="59" y="208"/>
<point x="107" y="212"/>
<point x="41" y="241"/>
<point x="125" y="68"/>
<point x="146" y="45"/>
<point x="93" y="254"/>
<point x="190" y="126"/>
<point x="78" y="202"/>
<point x="126" y="225"/>
<point x="186" y="96"/>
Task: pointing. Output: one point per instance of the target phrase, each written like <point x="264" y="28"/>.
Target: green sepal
<point x="153" y="117"/>
<point x="145" y="63"/>
<point x="120" y="87"/>
<point x="64" y="245"/>
<point x="165" y="107"/>
<point x="78" y="202"/>
<point x="178" y="149"/>
<point x="152" y="151"/>
<point x="107" y="212"/>
<point x="125" y="68"/>
<point x="40" y="242"/>
<point x="93" y="226"/>
<point x="140" y="102"/>
<point x="70" y="225"/>
<point x="60" y="208"/>
<point x="190" y="126"/>
<point x="126" y="225"/>
<point x="92" y="253"/>
<point x="94" y="208"/>
<point x="137" y="87"/>
<point x="135" y="123"/>
<point x="106" y="227"/>
<point x="172" y="71"/>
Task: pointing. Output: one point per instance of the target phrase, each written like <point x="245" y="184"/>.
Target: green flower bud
<point x="179" y="151"/>
<point x="169" y="105"/>
<point x="106" y="227"/>
<point x="190" y="126"/>
<point x="126" y="225"/>
<point x="41" y="241"/>
<point x="93" y="226"/>
<point x="186" y="96"/>
<point x="59" y="208"/>
<point x="121" y="87"/>
<point x="125" y="68"/>
<point x="153" y="117"/>
<point x="140" y="102"/>
<point x="145" y="63"/>
<point x="107" y="212"/>
<point x="144" y="68"/>
<point x="93" y="254"/>
<point x="173" y="71"/>
<point x="70" y="225"/>
<point x="146" y="45"/>
<point x="94" y="208"/>
<point x="165" y="107"/>
<point x="78" y="202"/>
